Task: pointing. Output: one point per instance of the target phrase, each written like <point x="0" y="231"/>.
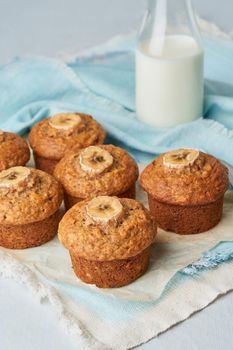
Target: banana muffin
<point x="29" y="207"/>
<point x="51" y="138"/>
<point x="97" y="170"/>
<point x="185" y="190"/>
<point x="108" y="239"/>
<point x="13" y="150"/>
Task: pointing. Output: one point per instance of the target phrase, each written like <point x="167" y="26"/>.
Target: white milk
<point x="169" y="86"/>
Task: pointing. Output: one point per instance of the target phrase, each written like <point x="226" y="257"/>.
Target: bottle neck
<point x="173" y="17"/>
<point x="173" y="6"/>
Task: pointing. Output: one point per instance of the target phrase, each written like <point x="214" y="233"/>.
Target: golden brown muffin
<point x="97" y="170"/>
<point x="109" y="240"/>
<point x="51" y="138"/>
<point x="185" y="190"/>
<point x="29" y="207"/>
<point x="13" y="150"/>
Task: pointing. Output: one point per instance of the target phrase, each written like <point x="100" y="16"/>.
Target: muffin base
<point x="29" y="235"/>
<point x="45" y="164"/>
<point x="71" y="200"/>
<point x="111" y="274"/>
<point x="186" y="220"/>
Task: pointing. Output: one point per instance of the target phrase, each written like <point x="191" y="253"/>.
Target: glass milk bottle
<point x="169" y="65"/>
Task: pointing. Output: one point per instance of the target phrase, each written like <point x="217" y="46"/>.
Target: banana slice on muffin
<point x="14" y="176"/>
<point x="65" y="121"/>
<point x="95" y="160"/>
<point x="180" y="158"/>
<point x="102" y="209"/>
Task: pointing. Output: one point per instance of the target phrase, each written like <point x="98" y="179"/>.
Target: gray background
<point x="52" y="27"/>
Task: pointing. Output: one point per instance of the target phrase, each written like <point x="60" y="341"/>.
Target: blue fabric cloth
<point x="103" y="85"/>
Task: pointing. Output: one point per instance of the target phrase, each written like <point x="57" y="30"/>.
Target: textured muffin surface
<point x="51" y="142"/>
<point x="203" y="181"/>
<point x="114" y="180"/>
<point x="33" y="199"/>
<point x="13" y="150"/>
<point x="125" y="237"/>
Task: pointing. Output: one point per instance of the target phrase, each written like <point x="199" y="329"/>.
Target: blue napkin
<point x="103" y="85"/>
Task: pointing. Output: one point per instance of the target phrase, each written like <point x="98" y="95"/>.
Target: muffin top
<point x="97" y="170"/>
<point x="13" y="150"/>
<point x="52" y="137"/>
<point x="107" y="228"/>
<point x="185" y="177"/>
<point x="27" y="195"/>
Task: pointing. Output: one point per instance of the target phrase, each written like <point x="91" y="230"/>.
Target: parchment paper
<point x="170" y="253"/>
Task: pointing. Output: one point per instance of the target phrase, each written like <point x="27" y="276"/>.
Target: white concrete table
<point x="50" y="27"/>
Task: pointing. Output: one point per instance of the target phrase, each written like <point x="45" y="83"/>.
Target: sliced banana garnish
<point x="180" y="158"/>
<point x="102" y="209"/>
<point x="95" y="159"/>
<point x="65" y="121"/>
<point x="13" y="176"/>
<point x="1" y="132"/>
